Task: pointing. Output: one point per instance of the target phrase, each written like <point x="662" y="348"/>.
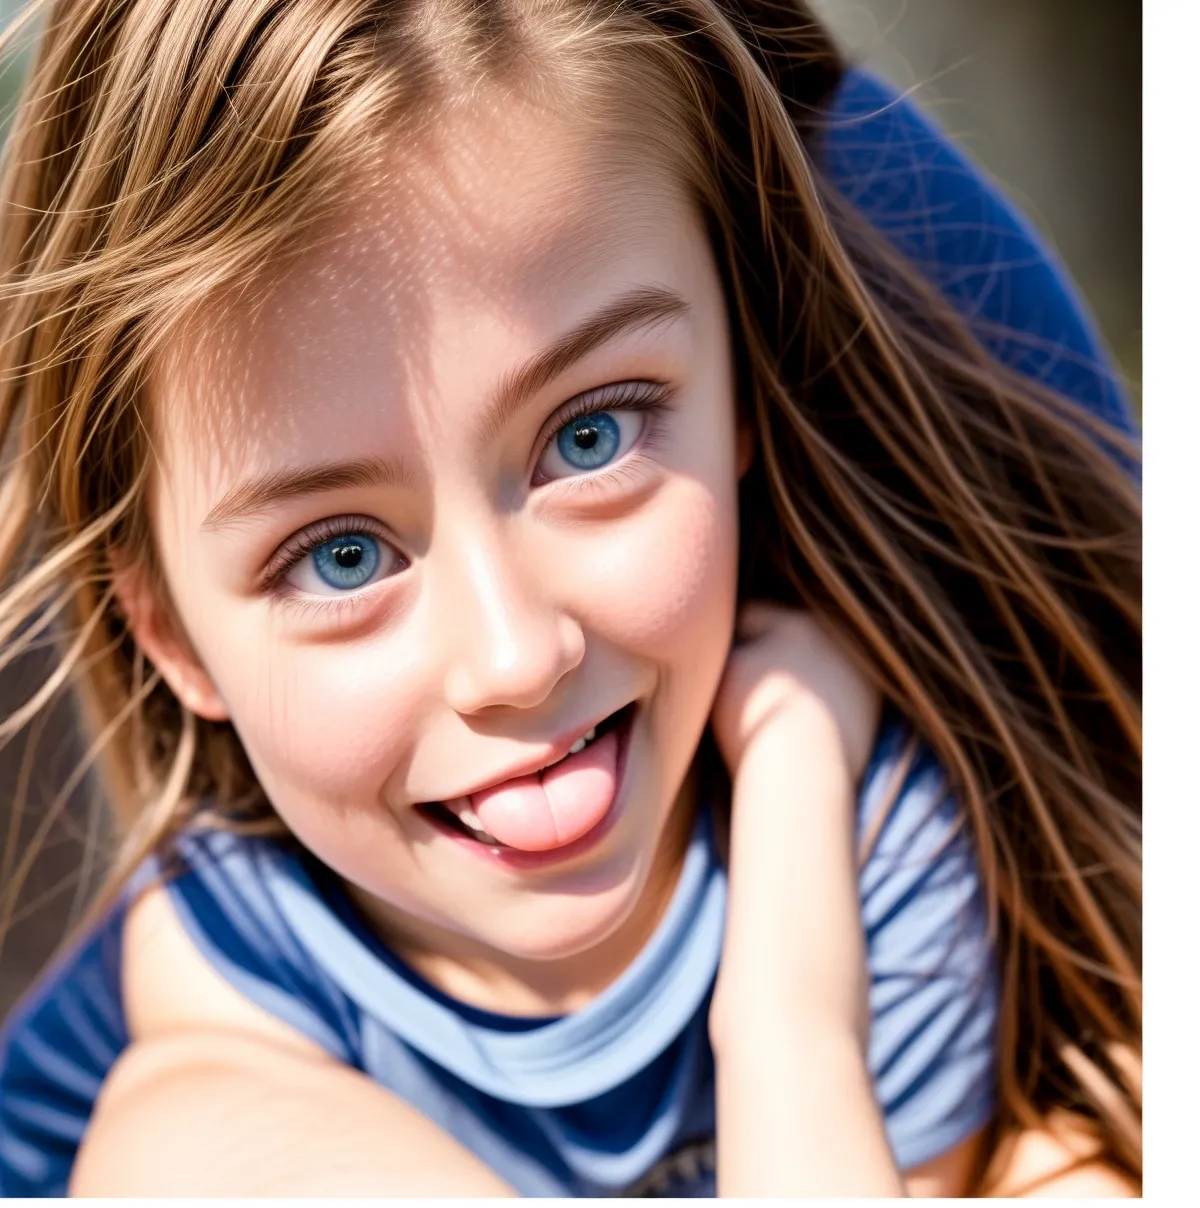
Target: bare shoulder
<point x="168" y="986"/>
<point x="216" y="1097"/>
<point x="1062" y="1161"/>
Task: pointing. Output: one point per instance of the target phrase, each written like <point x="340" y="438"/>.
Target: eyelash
<point x="650" y="398"/>
<point x="293" y="551"/>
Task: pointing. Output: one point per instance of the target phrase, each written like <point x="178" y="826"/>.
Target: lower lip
<point x="511" y="857"/>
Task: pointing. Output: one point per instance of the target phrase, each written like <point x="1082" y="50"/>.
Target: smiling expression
<point x="460" y="489"/>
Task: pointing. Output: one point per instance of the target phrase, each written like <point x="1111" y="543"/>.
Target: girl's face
<point x="465" y="488"/>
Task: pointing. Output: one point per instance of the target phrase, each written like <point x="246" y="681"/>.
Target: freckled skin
<point x="525" y="610"/>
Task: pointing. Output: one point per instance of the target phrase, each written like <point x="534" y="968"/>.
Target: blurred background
<point x="1044" y="94"/>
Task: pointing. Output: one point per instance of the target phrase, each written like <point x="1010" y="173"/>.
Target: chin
<point x="556" y="943"/>
<point x="559" y="926"/>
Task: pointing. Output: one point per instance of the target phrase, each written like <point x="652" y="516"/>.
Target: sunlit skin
<point x="517" y="599"/>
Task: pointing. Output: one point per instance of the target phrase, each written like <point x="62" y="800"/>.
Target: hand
<point x="795" y="719"/>
<point x="788" y="674"/>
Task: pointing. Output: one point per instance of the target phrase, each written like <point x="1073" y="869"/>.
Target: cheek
<point x="325" y="722"/>
<point x="664" y="586"/>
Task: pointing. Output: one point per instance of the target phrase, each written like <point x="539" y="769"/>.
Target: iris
<point x="347" y="561"/>
<point x="590" y="441"/>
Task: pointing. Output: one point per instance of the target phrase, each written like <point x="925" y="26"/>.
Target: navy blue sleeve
<point x="914" y="186"/>
<point x="56" y="1049"/>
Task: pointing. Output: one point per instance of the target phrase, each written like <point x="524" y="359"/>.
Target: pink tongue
<point x="550" y="809"/>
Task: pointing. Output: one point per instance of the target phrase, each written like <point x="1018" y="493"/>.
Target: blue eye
<point x="592" y="441"/>
<point x="343" y="563"/>
<point x="348" y="561"/>
<point x="589" y="442"/>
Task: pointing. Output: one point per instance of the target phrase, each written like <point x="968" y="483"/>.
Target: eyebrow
<point x="257" y="495"/>
<point x="642" y="307"/>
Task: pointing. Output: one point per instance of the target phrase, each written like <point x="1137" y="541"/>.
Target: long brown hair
<point x="968" y="529"/>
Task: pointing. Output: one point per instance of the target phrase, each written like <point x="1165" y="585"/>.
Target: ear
<point x="155" y="628"/>
<point x="746" y="447"/>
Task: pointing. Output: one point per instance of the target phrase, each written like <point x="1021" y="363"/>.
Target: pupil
<point x="348" y="556"/>
<point x="590" y="441"/>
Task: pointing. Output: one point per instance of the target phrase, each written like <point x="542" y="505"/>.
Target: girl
<point x="407" y="402"/>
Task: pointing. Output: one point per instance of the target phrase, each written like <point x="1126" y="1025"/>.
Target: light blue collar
<point x="569" y="1060"/>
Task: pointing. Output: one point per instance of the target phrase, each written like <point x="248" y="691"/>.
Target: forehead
<point x="509" y="222"/>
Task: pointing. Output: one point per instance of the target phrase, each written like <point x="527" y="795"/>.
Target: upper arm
<point x="226" y="1113"/>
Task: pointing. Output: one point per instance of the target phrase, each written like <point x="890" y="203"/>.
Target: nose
<point x="508" y="643"/>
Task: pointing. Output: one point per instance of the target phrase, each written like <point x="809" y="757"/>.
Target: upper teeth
<point x="577" y="746"/>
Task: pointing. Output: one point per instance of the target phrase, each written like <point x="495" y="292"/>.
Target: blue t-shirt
<point x="618" y="1097"/>
<point x="612" y="1099"/>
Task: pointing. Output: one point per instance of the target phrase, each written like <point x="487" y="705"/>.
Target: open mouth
<point x="462" y="821"/>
